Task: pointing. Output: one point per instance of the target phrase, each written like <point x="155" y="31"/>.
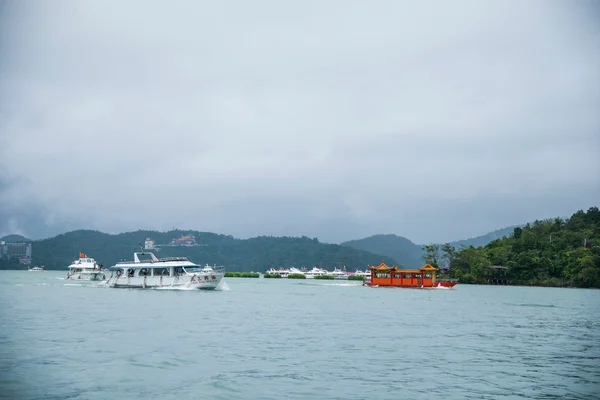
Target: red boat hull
<point x="435" y="285"/>
<point x="446" y="284"/>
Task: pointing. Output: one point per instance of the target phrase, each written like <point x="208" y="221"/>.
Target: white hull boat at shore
<point x="173" y="272"/>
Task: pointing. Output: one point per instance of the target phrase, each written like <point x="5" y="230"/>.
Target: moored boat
<point x="176" y="272"/>
<point x="315" y="272"/>
<point x="281" y="272"/>
<point x="86" y="268"/>
<point x="424" y="278"/>
<point x="338" y="273"/>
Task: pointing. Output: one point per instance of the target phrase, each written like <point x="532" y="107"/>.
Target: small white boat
<point x="86" y="268"/>
<point x="164" y="272"/>
<point x="296" y="271"/>
<point x="339" y="274"/>
<point x="362" y="273"/>
<point x="281" y="271"/>
<point x="315" y="272"/>
<point x="36" y="269"/>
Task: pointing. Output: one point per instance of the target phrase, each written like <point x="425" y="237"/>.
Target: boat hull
<point x="200" y="282"/>
<point x="436" y="285"/>
<point x="89" y="276"/>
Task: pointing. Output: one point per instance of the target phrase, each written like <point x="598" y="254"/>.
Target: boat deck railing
<point x="165" y="259"/>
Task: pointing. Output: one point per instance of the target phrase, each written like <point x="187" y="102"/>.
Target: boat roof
<point x="82" y="262"/>
<point x="384" y="267"/>
<point x="154" y="262"/>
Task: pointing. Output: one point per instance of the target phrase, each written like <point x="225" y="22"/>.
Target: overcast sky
<point x="432" y="120"/>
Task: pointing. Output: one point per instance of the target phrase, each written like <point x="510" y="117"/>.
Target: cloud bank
<point x="338" y="119"/>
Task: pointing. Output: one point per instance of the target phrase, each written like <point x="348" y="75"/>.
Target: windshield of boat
<point x="192" y="269"/>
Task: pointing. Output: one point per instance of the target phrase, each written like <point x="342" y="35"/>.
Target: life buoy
<point x="119" y="272"/>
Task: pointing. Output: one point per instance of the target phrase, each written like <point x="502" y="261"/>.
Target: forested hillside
<point x="411" y="255"/>
<point x="256" y="254"/>
<point x="553" y="252"/>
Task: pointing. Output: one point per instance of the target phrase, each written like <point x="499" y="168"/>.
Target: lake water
<point x="290" y="339"/>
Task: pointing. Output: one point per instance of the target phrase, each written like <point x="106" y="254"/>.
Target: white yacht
<point x="86" y="268"/>
<point x="315" y="272"/>
<point x="339" y="274"/>
<point x="281" y="271"/>
<point x="164" y="272"/>
<point x="362" y="273"/>
<point x="296" y="271"/>
<point x="36" y="269"/>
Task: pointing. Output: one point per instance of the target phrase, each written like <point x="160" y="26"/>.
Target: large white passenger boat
<point x="164" y="272"/>
<point x="86" y="268"/>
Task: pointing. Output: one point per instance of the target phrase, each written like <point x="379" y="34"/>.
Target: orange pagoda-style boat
<point x="425" y="277"/>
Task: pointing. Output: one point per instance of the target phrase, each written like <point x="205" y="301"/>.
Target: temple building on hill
<point x="188" y="240"/>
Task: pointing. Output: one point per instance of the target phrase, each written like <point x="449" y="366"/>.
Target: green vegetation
<point x="545" y="253"/>
<point x="326" y="277"/>
<point x="271" y="276"/>
<point x="355" y="278"/>
<point x="12" y="264"/>
<point x="296" y="276"/>
<point x="242" y="275"/>
<point x="244" y="255"/>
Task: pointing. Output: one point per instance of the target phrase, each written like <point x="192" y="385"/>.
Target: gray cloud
<point x="337" y="119"/>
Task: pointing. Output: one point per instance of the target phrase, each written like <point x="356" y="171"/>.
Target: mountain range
<point x="255" y="254"/>
<point x="409" y="254"/>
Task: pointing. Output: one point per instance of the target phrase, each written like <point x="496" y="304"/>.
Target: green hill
<point x="399" y="248"/>
<point x="14" y="239"/>
<point x="256" y="254"/>
<point x="411" y="255"/>
<point x="558" y="252"/>
<point x="485" y="239"/>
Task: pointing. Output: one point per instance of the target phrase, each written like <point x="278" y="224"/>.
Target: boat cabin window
<point x="178" y="271"/>
<point x="407" y="276"/>
<point x="428" y="276"/>
<point x="396" y="276"/>
<point x="144" y="272"/>
<point x="382" y="275"/>
<point x="160" y="271"/>
<point x="192" y="268"/>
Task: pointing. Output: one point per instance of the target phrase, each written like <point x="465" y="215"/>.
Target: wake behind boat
<point x="164" y="272"/>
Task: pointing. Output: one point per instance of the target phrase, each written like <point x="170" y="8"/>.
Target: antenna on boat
<point x="141" y="247"/>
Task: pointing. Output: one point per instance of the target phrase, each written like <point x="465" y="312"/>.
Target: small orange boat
<point x="425" y="277"/>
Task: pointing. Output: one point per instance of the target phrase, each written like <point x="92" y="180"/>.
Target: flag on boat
<point x="81" y="255"/>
